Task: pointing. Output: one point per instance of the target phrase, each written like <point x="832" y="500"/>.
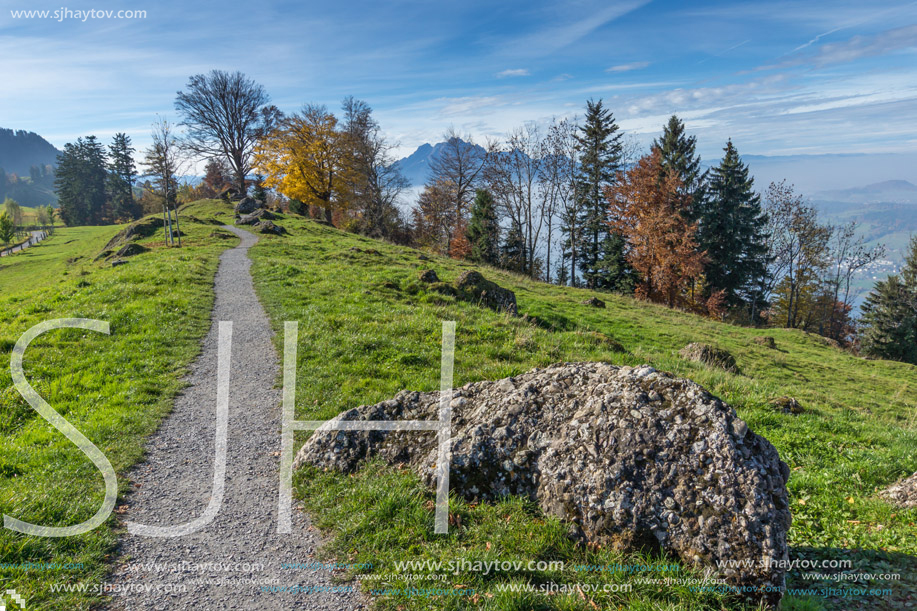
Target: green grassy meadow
<point x="369" y="328"/>
<point x="115" y="389"/>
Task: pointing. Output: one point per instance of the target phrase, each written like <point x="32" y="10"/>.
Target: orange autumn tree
<point x="645" y="206"/>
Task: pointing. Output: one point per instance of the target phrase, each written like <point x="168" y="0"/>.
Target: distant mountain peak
<point x="416" y="166"/>
<point x="20" y="150"/>
<point x="887" y="191"/>
<point x="896" y="185"/>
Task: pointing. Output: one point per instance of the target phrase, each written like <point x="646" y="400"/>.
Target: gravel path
<point x="225" y="564"/>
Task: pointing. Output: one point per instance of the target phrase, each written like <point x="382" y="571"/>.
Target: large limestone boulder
<point x="633" y="457"/>
<point x="472" y="286"/>
<point x="246" y="205"/>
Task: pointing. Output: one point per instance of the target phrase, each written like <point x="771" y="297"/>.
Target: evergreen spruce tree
<point x="121" y="175"/>
<point x="889" y="322"/>
<point x="613" y="266"/>
<point x="732" y="231"/>
<point x="80" y="182"/>
<point x="600" y="154"/>
<point x="679" y="155"/>
<point x="484" y="229"/>
<point x="572" y="234"/>
<point x="258" y="192"/>
<point x="513" y="253"/>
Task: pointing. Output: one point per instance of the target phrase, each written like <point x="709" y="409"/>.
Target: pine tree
<point x="258" y="192"/>
<point x="484" y="229"/>
<point x="80" y="182"/>
<point x="600" y="152"/>
<point x="889" y="319"/>
<point x="679" y="155"/>
<point x="513" y="253"/>
<point x="732" y="231"/>
<point x="572" y="236"/>
<point x="121" y="175"/>
<point x="614" y="267"/>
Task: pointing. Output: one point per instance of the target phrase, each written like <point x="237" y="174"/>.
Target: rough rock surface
<point x="258" y="215"/>
<point x="595" y="302"/>
<point x="143" y="228"/>
<point x="231" y="193"/>
<point x="903" y="493"/>
<point x="633" y="457"/>
<point x="429" y="275"/>
<point x="246" y="205"/>
<point x="131" y="249"/>
<point x="710" y="356"/>
<point x="269" y="227"/>
<point x="472" y="286"/>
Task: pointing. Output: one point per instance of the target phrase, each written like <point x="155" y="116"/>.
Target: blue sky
<point x="779" y="78"/>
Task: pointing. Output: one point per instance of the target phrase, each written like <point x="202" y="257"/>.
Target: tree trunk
<point x="177" y="229"/>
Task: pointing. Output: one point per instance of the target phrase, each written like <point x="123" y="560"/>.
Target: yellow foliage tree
<point x="306" y="158"/>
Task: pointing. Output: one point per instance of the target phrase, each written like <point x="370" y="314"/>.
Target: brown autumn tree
<point x="434" y="217"/>
<point x="645" y="207"/>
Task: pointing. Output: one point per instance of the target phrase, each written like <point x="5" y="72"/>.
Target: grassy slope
<point x="368" y="328"/>
<point x="115" y="389"/>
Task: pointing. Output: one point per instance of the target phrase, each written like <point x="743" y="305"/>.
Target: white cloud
<point x="513" y="72"/>
<point x="628" y="67"/>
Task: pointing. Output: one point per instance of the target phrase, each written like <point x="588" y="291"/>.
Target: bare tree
<point x="563" y="151"/>
<point x="375" y="182"/>
<point x="551" y="183"/>
<point x="460" y="163"/>
<point x="514" y="174"/>
<point x="162" y="162"/>
<point x="797" y="245"/>
<point x="225" y="114"/>
<point x="849" y="254"/>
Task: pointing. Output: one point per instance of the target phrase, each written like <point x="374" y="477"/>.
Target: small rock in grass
<point x="429" y="275"/>
<point x="710" y="356"/>
<point x="474" y="287"/>
<point x="902" y="493"/>
<point x="765" y="340"/>
<point x="129" y="250"/>
<point x="787" y="405"/>
<point x="270" y="228"/>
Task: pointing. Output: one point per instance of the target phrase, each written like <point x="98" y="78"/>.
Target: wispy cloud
<point x="855" y="48"/>
<point x="859" y="47"/>
<point x="628" y="67"/>
<point x="816" y="39"/>
<point x="553" y="38"/>
<point x="513" y="72"/>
